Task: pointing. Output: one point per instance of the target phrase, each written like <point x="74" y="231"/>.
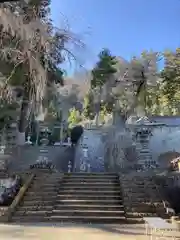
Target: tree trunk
<point x="98" y="107"/>
<point x="140" y="88"/>
<point x="24" y="115"/>
<point x="118" y="119"/>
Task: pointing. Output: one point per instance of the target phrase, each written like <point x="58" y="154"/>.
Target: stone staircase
<point x="89" y="198"/>
<point x="73" y="197"/>
<point x="141" y="198"/>
<point x="38" y="202"/>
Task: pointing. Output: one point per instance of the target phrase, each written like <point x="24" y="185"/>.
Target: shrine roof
<point x="167" y="120"/>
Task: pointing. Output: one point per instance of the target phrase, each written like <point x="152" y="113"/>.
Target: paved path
<point x="75" y="232"/>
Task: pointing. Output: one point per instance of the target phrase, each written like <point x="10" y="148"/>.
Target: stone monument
<point x="89" y="155"/>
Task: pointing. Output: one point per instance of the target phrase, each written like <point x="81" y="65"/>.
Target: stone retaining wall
<point x="119" y="150"/>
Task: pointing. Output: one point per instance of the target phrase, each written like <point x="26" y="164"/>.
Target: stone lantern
<point x="143" y="133"/>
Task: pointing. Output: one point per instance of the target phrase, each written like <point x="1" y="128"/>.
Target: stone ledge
<point x="7" y="216"/>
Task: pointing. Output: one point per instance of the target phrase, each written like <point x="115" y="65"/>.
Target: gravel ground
<point x="69" y="232"/>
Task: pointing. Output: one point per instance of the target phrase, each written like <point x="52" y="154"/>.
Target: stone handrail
<point x="18" y="198"/>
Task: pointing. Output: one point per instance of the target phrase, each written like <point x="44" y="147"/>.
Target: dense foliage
<point x="31" y="53"/>
<point x="138" y="86"/>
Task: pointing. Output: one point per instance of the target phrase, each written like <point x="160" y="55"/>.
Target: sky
<point x="126" y="27"/>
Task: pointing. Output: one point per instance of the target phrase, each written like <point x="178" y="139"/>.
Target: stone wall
<point x="165" y="140"/>
<point x="8" y="137"/>
<point x="91" y="140"/>
<point x="109" y="149"/>
<point x="119" y="150"/>
<point x="112" y="148"/>
<point x="25" y="156"/>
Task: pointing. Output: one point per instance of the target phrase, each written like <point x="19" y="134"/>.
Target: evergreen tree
<point x="171" y="82"/>
<point x="31" y="50"/>
<point x="102" y="73"/>
<point x="104" y="69"/>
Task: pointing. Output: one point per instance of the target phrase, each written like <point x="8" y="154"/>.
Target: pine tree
<point x="104" y="69"/>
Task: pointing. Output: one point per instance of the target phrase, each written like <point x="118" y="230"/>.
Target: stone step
<point x="89" y="178"/>
<point x="35" y="208"/>
<point x="37" y="185"/>
<point x="73" y="207"/>
<point x="93" y="188"/>
<point x="48" y="186"/>
<point x="89" y="184"/>
<point x="139" y="214"/>
<point x="87" y="197"/>
<point x="46" y="181"/>
<point x="89" y="219"/>
<point x="86" y="179"/>
<point x="136" y="198"/>
<point x="51" y="177"/>
<point x="45" y="172"/>
<point x="98" y="201"/>
<point x="57" y="212"/>
<point x="70" y="219"/>
<point x="40" y="198"/>
<point x="36" y="203"/>
<point x="99" y="174"/>
<point x="43" y="188"/>
<point x="41" y="194"/>
<point x="136" y="202"/>
<point x="136" y="179"/>
<point x="136" y="189"/>
<point x="134" y="220"/>
<point x="89" y="192"/>
<point x="139" y="186"/>
<point x="69" y="202"/>
<point x="89" y="212"/>
<point x="33" y="213"/>
<point x="32" y="219"/>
